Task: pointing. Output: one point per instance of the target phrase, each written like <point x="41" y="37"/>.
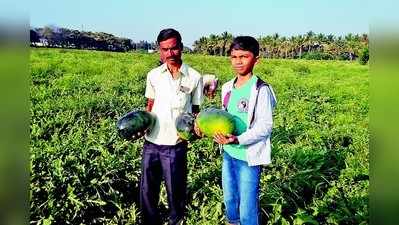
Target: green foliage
<point x="301" y="69"/>
<point x="57" y="37"/>
<point x="317" y="56"/>
<point x="364" y="56"/>
<point x="83" y="173"/>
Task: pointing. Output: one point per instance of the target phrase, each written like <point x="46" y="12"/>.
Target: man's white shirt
<point x="171" y="97"/>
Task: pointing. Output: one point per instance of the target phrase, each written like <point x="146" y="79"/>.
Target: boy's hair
<point x="246" y="43"/>
<point x="168" y="33"/>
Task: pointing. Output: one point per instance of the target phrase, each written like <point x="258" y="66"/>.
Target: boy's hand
<point x="222" y="139"/>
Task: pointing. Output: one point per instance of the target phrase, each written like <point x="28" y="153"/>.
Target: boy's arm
<point x="262" y="126"/>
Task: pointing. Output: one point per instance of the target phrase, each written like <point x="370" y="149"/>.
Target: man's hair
<point x="168" y="33"/>
<point x="246" y="43"/>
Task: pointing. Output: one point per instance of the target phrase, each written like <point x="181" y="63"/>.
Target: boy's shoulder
<point x="259" y="83"/>
<point x="228" y="85"/>
<point x="267" y="89"/>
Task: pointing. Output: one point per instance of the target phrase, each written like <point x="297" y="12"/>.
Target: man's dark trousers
<point x="168" y="162"/>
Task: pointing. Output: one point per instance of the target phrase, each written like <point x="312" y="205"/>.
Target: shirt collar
<point x="183" y="69"/>
<point x="254" y="77"/>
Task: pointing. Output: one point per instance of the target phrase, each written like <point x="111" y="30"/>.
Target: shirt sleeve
<point x="197" y="94"/>
<point x="149" y="88"/>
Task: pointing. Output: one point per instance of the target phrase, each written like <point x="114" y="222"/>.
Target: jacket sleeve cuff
<point x="242" y="139"/>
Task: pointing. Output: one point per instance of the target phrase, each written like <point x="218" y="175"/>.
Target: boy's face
<point x="243" y="61"/>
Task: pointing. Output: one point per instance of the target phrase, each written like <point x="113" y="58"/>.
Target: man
<point x="171" y="89"/>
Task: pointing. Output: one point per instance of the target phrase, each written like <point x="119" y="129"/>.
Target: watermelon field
<point x="81" y="172"/>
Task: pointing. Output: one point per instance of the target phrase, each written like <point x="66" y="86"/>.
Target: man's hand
<point x="209" y="93"/>
<point x="197" y="130"/>
<point x="210" y="83"/>
<point x="140" y="134"/>
<point x="225" y="139"/>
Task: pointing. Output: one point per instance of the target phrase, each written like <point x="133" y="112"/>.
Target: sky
<point x="142" y="20"/>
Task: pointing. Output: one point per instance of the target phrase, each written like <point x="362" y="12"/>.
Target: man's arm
<point x="195" y="109"/>
<point x="150" y="103"/>
<point x="197" y="96"/>
<point x="149" y="93"/>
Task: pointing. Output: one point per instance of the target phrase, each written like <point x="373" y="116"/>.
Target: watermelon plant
<point x="83" y="173"/>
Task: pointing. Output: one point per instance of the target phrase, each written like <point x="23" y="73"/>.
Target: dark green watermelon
<point x="133" y="125"/>
<point x="214" y="120"/>
<point x="185" y="126"/>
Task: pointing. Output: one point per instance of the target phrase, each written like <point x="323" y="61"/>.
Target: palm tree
<point x="339" y="46"/>
<point x="226" y="39"/>
<point x="293" y="42"/>
<point x="275" y="44"/>
<point x="48" y="34"/>
<point x="200" y="45"/>
<point x="351" y="46"/>
<point x="309" y="40"/>
<point x="265" y="46"/>
<point x="300" y="44"/>
<point x="284" y="46"/>
<point x="212" y="46"/>
<point x="330" y="38"/>
<point x="365" y="38"/>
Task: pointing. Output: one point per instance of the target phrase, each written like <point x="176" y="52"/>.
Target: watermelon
<point x="214" y="120"/>
<point x="132" y="125"/>
<point x="185" y="126"/>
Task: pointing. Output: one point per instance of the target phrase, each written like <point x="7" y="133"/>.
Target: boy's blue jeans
<point x="240" y="191"/>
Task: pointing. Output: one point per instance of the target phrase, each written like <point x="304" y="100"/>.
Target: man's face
<point x="170" y="51"/>
<point x="242" y="61"/>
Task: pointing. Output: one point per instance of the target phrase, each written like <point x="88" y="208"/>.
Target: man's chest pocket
<point x="183" y="95"/>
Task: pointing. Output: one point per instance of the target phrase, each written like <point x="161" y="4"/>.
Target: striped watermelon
<point x="185" y="126"/>
<point x="214" y="120"/>
<point x="132" y="125"/>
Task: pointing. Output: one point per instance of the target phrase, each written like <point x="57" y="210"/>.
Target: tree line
<point x="307" y="46"/>
<point x="68" y="38"/>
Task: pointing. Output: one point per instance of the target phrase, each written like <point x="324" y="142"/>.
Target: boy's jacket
<point x="256" y="138"/>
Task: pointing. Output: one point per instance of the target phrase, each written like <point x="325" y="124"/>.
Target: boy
<point x="251" y="101"/>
